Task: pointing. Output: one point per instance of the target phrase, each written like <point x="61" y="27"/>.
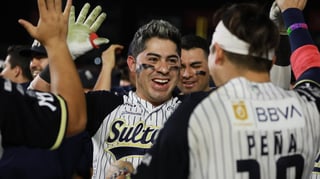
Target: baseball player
<point x="31" y="118"/>
<point x="41" y="119"/>
<point x="194" y="72"/>
<point x="248" y="127"/>
<point x="124" y="127"/>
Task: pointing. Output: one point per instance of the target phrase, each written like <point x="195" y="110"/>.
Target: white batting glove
<point x="82" y="35"/>
<point x="276" y="16"/>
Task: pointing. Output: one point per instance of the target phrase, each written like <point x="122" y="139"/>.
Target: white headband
<point x="232" y="43"/>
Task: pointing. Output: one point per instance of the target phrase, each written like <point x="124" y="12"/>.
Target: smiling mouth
<point x="161" y="81"/>
<point x="188" y="84"/>
<point x="35" y="73"/>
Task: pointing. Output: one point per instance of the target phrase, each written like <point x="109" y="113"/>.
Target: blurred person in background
<point x="38" y="55"/>
<point x="194" y="71"/>
<point x="16" y="66"/>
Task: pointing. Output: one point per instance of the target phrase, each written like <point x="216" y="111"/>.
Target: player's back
<point x="253" y="130"/>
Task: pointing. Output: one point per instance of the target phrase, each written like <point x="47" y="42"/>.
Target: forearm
<point x="104" y="79"/>
<point x="280" y="73"/>
<point x="305" y="54"/>
<point x="300" y="36"/>
<point x="39" y="84"/>
<point x="61" y="64"/>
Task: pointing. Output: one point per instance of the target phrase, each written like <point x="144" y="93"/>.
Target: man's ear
<point x="219" y="54"/>
<point x="131" y="63"/>
<point x="17" y="71"/>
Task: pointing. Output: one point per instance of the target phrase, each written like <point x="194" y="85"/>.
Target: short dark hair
<point x="250" y="23"/>
<point x="19" y="60"/>
<point x="191" y="41"/>
<point x="155" y="28"/>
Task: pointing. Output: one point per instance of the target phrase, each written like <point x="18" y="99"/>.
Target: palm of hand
<point x="79" y="39"/>
<point x="82" y="32"/>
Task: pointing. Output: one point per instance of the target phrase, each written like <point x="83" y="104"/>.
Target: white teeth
<point x="161" y="81"/>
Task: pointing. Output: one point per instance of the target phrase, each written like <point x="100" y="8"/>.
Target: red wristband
<point x="92" y="37"/>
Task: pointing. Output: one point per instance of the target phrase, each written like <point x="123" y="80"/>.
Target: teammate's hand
<point x="82" y="35"/>
<point x="119" y="170"/>
<point x="276" y="16"/>
<point x="286" y="4"/>
<point x="109" y="55"/>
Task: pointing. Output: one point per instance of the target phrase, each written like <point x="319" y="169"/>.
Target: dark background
<point x="124" y="17"/>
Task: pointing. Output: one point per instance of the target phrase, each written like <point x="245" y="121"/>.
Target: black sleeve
<point x="45" y="74"/>
<point x="32" y="118"/>
<point x="308" y="85"/>
<point x="169" y="156"/>
<point x="283" y="52"/>
<point x="99" y="105"/>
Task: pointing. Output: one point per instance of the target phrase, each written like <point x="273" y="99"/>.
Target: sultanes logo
<point x="130" y="139"/>
<point x="240" y="110"/>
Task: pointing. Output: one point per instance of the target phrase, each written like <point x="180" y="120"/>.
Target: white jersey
<point x="128" y="131"/>
<point x="250" y="130"/>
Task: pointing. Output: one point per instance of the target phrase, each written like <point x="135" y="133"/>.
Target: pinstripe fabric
<point x="128" y="131"/>
<point x="316" y="169"/>
<point x="249" y="128"/>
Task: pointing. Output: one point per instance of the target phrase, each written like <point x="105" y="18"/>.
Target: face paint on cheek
<point x="151" y="67"/>
<point x="144" y="67"/>
<point x="201" y="73"/>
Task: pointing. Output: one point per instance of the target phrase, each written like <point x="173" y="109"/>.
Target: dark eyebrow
<point x="196" y="63"/>
<point x="153" y="54"/>
<point x="157" y="55"/>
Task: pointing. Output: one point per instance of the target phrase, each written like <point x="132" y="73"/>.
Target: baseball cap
<point x="36" y="49"/>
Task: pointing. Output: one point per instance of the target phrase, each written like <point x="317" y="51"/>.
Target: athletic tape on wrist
<point x="231" y="43"/>
<point x="296" y="26"/>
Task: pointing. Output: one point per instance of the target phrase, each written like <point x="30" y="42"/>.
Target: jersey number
<point x="253" y="167"/>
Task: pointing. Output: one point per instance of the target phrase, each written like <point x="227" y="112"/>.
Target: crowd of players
<point x="245" y="125"/>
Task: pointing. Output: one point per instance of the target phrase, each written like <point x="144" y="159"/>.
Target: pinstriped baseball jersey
<point x="242" y="130"/>
<point x="253" y="130"/>
<point x="316" y="169"/>
<point x="128" y="130"/>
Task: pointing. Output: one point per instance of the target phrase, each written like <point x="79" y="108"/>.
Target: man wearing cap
<point x="39" y="57"/>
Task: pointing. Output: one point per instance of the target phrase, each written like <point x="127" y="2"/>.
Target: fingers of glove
<point x="83" y="13"/>
<point x="99" y="41"/>
<point x="72" y="16"/>
<point x="275" y="12"/>
<point x="276" y="16"/>
<point x="96" y="25"/>
<point x="93" y="15"/>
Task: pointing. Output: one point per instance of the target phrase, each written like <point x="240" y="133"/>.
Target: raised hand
<point x="52" y="25"/>
<point x="285" y="4"/>
<point x="82" y="35"/>
<point x="276" y="16"/>
<point x="51" y="31"/>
